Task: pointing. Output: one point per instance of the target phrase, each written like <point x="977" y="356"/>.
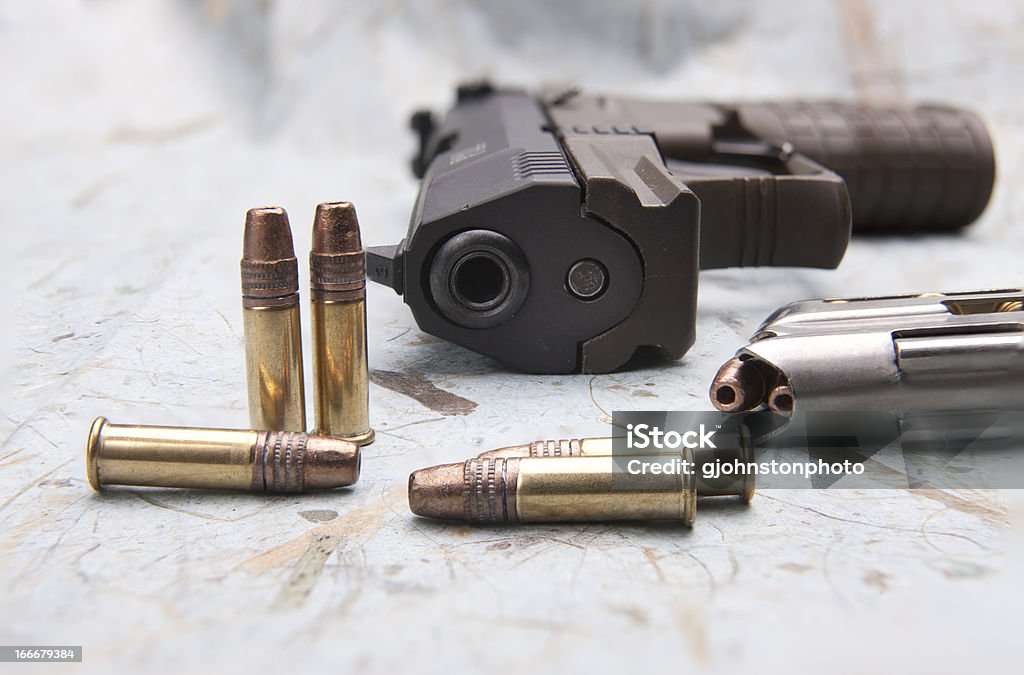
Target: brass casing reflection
<point x="595" y="446"/>
<point x="723" y="486"/>
<point x="273" y="365"/>
<point x="551" y="489"/>
<point x="340" y="374"/>
<point x="170" y="456"/>
<point x="277" y="462"/>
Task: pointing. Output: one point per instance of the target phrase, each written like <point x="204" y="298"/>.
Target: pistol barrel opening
<point x="479" y="278"/>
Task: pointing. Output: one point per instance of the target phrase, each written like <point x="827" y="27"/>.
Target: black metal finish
<point x="479" y="278"/>
<point x="560" y="235"/>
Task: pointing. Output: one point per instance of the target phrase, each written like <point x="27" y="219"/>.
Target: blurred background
<point x="133" y="137"/>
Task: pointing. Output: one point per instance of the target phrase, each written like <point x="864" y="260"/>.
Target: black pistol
<point x="560" y="233"/>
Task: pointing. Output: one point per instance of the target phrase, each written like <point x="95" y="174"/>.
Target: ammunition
<point x="738" y="485"/>
<point x="925" y="352"/>
<point x="551" y="489"/>
<point x="337" y="274"/>
<point x="780" y="399"/>
<point x="270" y="311"/>
<point x="218" y="459"/>
<point x="738" y="386"/>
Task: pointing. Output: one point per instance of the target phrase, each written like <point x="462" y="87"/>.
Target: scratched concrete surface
<point x="133" y="136"/>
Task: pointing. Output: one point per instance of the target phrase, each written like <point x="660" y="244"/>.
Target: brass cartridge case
<point x="733" y="485"/>
<point x="217" y="459"/>
<point x="341" y="376"/>
<point x="273" y="366"/>
<point x="337" y="273"/>
<point x="270" y="320"/>
<point x="551" y="489"/>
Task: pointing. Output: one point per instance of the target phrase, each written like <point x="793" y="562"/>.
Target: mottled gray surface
<point x="134" y="135"/>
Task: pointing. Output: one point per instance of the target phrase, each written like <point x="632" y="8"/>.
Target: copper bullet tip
<point x="331" y="463"/>
<point x="437" y="492"/>
<point x="738" y="386"/>
<point x="337" y="265"/>
<point x="781" y="400"/>
<point x="336" y="229"/>
<point x="268" y="236"/>
<point x="270" y="272"/>
<point x="290" y="461"/>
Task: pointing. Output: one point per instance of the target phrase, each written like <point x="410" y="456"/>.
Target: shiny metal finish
<point x="222" y="459"/>
<point x="587" y="279"/>
<point x="738" y="386"/>
<point x="557" y="489"/>
<point x="729" y="486"/>
<point x="926" y="352"/>
<point x="270" y="313"/>
<point x="273" y="366"/>
<point x="338" y="317"/>
<point x="341" y="373"/>
<point x="935" y="354"/>
<point x="551" y="489"/>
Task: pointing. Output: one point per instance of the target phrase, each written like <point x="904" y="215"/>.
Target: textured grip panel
<point x="923" y="168"/>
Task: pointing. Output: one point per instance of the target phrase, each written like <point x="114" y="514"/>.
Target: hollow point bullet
<point x="337" y="273"/>
<point x="270" y="313"/>
<point x="731" y="485"/>
<point x="739" y="386"/>
<point x="220" y="459"/>
<point x="550" y="489"/>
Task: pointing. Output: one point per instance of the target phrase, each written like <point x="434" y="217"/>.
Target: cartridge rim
<point x="364" y="438"/>
<point x="689" y="491"/>
<point x="747" y="456"/>
<point x="92" y="452"/>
